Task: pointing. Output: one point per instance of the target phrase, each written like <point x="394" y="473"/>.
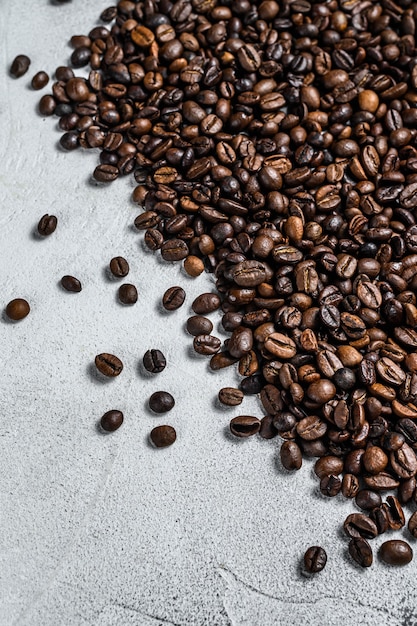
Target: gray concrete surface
<point x="104" y="530"/>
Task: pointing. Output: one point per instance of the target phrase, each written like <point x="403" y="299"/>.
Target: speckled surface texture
<point x="104" y="530"/>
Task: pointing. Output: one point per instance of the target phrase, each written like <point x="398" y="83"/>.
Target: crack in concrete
<point x="157" y="618"/>
<point x="383" y="611"/>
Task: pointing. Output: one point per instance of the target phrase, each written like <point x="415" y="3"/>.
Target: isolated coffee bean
<point x="315" y="559"/>
<point x="173" y="298"/>
<point x="119" y="267"/>
<point x="108" y="364"/>
<point x="161" y="402"/>
<point x="154" y="361"/>
<point x="163" y="436"/>
<point x="17" y="309"/>
<point x="128" y="294"/>
<point x="111" y="420"/>
<point x="396" y="552"/>
<point x="70" y="283"/>
<point x="47" y="225"/>
<point x="206" y="303"/>
<point x="20" y="65"/>
<point x="230" y="396"/>
<point x="40" y="80"/>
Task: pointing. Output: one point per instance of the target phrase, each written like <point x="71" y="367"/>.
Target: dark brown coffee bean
<point x="412" y="524"/>
<point x="315" y="559"/>
<point x="395" y="514"/>
<point x="108" y="364"/>
<point x="271" y="399"/>
<point x="174" y="250"/>
<point x="359" y="525"/>
<point x="206" y="303"/>
<point x="163" y="436"/>
<point x="20" y="66"/>
<point x="350" y="486"/>
<point x="119" y="267"/>
<point x="361" y="551"/>
<point x="245" y="426"/>
<point x="290" y="455"/>
<point x="396" y="552"/>
<point x="161" y="402"/>
<point x="70" y="283"/>
<point x="206" y="344"/>
<point x="40" y="80"/>
<point x="17" y="309"/>
<point x="128" y="294"/>
<point x="328" y="465"/>
<point x="173" y="298"/>
<point x="368" y="500"/>
<point x="111" y="420"/>
<point x="154" y="361"/>
<point x="230" y="396"/>
<point x="330" y="485"/>
<point x="47" y="225"/>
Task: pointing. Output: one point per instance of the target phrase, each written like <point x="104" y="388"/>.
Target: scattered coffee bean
<point x="40" y="80"/>
<point x="70" y="283"/>
<point x="47" y="225"/>
<point x="230" y="396"/>
<point x="20" y="65"/>
<point x="291" y="457"/>
<point x="199" y="325"/>
<point x="193" y="265"/>
<point x="119" y="267"/>
<point x="361" y="551"/>
<point x="154" y="361"/>
<point x="244" y="426"/>
<point x="128" y="294"/>
<point x="163" y="436"/>
<point x="173" y="298"/>
<point x="396" y="552"/>
<point x="108" y="364"/>
<point x="111" y="420"/>
<point x="17" y="309"/>
<point x="161" y="402"/>
<point x="315" y="559"/>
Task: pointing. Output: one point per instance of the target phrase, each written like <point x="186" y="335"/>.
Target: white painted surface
<point x="104" y="530"/>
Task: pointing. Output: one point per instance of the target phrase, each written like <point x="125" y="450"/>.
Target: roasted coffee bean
<point x="108" y="364"/>
<point x="199" y="325"/>
<point x="368" y="500"/>
<point x="396" y="552"/>
<point x="119" y="267"/>
<point x="328" y="465"/>
<point x="111" y="420"/>
<point x="359" y="525"/>
<point x="20" y="65"/>
<point x="17" y="309"/>
<point x="330" y="485"/>
<point x="315" y="559"/>
<point x="70" y="283"/>
<point x="206" y="344"/>
<point x="412" y="524"/>
<point x="161" y="402"/>
<point x="163" y="436"/>
<point x="361" y="551"/>
<point x="40" y="80"/>
<point x="245" y="426"/>
<point x="395" y="514"/>
<point x="206" y="303"/>
<point x="291" y="457"/>
<point x="154" y="361"/>
<point x="173" y="298"/>
<point x="47" y="225"/>
<point x="230" y="396"/>
<point x="128" y="294"/>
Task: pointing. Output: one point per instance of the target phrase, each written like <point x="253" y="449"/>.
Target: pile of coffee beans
<point x="275" y="145"/>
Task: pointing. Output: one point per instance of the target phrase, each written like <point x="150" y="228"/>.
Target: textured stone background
<point x="103" y="530"/>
